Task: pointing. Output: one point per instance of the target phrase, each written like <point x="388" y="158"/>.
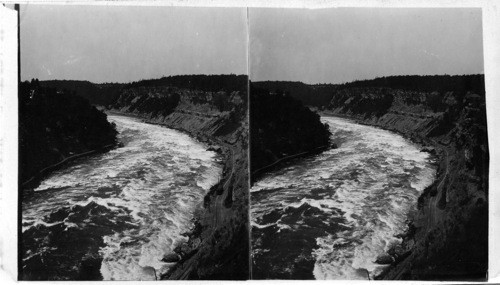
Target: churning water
<point x="329" y="216"/>
<point x="128" y="206"/>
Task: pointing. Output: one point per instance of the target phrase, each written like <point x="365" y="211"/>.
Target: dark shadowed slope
<point x="281" y="126"/>
<point x="54" y="127"/>
<point x="97" y="94"/>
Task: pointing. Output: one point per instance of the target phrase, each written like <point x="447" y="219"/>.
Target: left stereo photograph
<point x="133" y="143"/>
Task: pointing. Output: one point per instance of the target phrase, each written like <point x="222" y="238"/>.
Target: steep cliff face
<point x="447" y="237"/>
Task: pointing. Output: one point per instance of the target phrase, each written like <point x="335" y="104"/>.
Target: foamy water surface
<point x="342" y="207"/>
<point x="136" y="199"/>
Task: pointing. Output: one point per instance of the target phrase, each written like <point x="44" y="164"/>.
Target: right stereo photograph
<point x="368" y="144"/>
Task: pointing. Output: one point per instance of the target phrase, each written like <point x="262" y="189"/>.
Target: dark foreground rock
<point x="384" y="259"/>
<point x="171" y="257"/>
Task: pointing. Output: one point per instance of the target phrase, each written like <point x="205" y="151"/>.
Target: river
<point x="330" y="215"/>
<point x="127" y="207"/>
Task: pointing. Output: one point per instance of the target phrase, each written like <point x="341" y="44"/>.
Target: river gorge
<point x="125" y="209"/>
<point x="329" y="216"/>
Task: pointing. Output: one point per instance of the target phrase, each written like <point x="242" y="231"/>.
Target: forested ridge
<point x="201" y="82"/>
<point x="98" y="94"/>
<point x="105" y="94"/>
<point x="309" y="94"/>
<point x="424" y="83"/>
<point x="318" y="95"/>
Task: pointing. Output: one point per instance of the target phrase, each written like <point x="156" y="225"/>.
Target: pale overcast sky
<point x="345" y="44"/>
<point x="123" y="44"/>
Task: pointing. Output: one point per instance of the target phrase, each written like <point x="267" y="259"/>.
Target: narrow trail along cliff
<point x="433" y="208"/>
<point x="219" y="200"/>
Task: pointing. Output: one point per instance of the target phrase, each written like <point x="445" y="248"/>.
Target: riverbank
<point x="397" y="253"/>
<point x="34" y="181"/>
<point x="451" y="216"/>
<point x="263" y="170"/>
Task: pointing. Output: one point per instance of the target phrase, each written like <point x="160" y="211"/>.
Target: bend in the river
<point x="128" y="207"/>
<point x="330" y="215"/>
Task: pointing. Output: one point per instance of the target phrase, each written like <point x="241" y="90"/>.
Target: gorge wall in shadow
<point x="280" y="127"/>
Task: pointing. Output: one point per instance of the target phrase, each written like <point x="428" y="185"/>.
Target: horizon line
<point x="139" y="80"/>
<point x="256" y="81"/>
<point x="366" y="79"/>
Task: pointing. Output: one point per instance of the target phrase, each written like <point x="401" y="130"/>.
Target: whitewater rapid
<point x="342" y="207"/>
<point x="134" y="201"/>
